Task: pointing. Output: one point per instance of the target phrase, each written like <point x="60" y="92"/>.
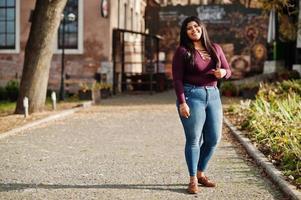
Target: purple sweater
<point x="200" y="74"/>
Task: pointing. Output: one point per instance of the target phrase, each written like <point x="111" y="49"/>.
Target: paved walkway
<point x="130" y="147"/>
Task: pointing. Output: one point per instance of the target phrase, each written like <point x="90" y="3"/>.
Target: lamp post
<point x="70" y="18"/>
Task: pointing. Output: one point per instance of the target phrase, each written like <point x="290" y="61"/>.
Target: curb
<point x="262" y="161"/>
<point x="44" y="120"/>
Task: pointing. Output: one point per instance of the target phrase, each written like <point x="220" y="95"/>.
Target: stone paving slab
<point x="129" y="147"/>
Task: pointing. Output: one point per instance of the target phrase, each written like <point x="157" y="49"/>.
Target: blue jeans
<point x="203" y="127"/>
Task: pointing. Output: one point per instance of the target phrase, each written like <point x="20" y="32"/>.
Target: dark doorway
<point x="136" y="63"/>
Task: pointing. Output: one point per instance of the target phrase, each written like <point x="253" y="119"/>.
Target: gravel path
<point x="129" y="147"/>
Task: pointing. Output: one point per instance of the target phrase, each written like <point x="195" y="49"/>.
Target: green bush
<point x="228" y="88"/>
<point x="273" y="121"/>
<point x="287" y="75"/>
<point x="281" y="90"/>
<point x="3" y="96"/>
<point x="276" y="126"/>
<point x="7" y="108"/>
<point x="12" y="90"/>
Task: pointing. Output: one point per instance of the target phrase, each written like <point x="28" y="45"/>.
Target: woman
<point x="197" y="65"/>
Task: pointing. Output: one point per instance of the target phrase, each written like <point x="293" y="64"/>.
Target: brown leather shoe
<point x="206" y="182"/>
<point x="193" y="188"/>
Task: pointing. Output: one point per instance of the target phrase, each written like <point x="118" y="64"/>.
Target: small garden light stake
<point x="25" y="105"/>
<point x="53" y="98"/>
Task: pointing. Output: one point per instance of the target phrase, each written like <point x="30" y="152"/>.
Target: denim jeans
<point x="203" y="127"/>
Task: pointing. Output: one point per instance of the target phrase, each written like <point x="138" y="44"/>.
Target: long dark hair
<point x="186" y="42"/>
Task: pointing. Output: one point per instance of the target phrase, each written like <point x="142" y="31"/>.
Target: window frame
<point x="15" y="50"/>
<point x="80" y="49"/>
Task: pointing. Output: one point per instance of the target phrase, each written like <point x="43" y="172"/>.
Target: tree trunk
<point x="38" y="54"/>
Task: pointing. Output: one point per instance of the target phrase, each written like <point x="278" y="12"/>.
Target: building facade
<point x="243" y="41"/>
<point x="87" y="36"/>
<point x="247" y="3"/>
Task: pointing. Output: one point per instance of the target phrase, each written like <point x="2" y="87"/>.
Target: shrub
<point x="281" y="90"/>
<point x="276" y="126"/>
<point x="248" y="90"/>
<point x="12" y="90"/>
<point x="228" y="88"/>
<point x="3" y="96"/>
<point x="273" y="121"/>
<point x="287" y="75"/>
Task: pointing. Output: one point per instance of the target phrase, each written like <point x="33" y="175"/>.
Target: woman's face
<point x="194" y="31"/>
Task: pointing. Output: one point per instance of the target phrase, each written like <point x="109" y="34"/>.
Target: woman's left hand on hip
<point x="219" y="73"/>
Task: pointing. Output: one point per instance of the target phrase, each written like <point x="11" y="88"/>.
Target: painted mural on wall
<point x="240" y="31"/>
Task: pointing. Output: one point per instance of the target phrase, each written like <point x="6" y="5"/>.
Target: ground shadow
<point x="179" y="188"/>
<point x="166" y="97"/>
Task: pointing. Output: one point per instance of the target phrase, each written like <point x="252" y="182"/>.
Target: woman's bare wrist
<point x="183" y="104"/>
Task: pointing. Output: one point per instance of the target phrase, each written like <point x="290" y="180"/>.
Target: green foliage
<point x="273" y="120"/>
<point x="228" y="87"/>
<point x="279" y="90"/>
<point x="248" y="86"/>
<point x="94" y="86"/>
<point x="7" y="107"/>
<point x="248" y="90"/>
<point x="287" y="10"/>
<point x="12" y="90"/>
<point x="287" y="75"/>
<point x="3" y="95"/>
<point x="231" y="109"/>
<point x="84" y="87"/>
<point x="278" y="5"/>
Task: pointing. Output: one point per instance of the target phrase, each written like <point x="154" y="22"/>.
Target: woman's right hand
<point x="184" y="110"/>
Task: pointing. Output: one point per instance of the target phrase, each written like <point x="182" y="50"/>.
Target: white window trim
<point x="80" y="41"/>
<point x="17" y="32"/>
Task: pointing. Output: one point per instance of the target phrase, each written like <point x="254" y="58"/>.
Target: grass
<point x="7" y="107"/>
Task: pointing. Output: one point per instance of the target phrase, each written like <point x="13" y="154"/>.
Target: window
<point x="70" y="35"/>
<point x="137" y="22"/>
<point x="8" y="24"/>
<point x="132" y="19"/>
<point x="125" y="16"/>
<point x="70" y="32"/>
